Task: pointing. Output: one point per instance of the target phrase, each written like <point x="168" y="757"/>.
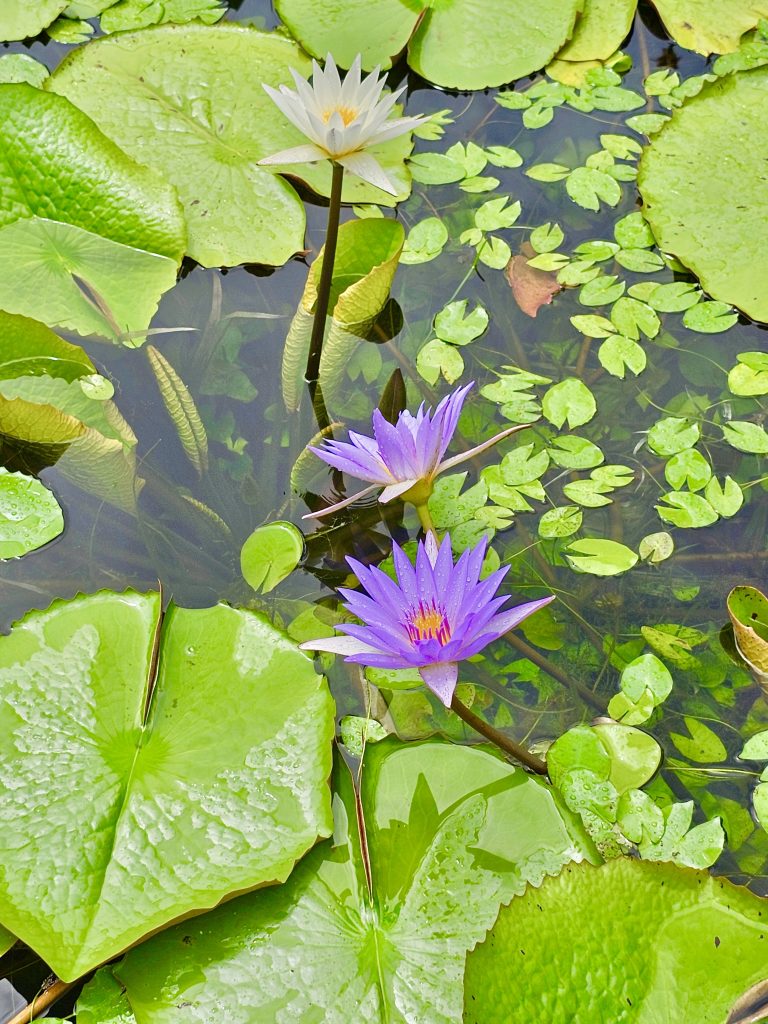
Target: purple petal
<point x="350" y="459"/>
<point x="441" y="678"/>
<point x="509" y="619"/>
<point x="450" y="418"/>
<point x="405" y="573"/>
<point x="346" y="645"/>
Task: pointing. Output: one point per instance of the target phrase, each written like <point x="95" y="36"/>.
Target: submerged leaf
<point x="748" y="611"/>
<point x="182" y="409"/>
<point x="270" y="554"/>
<point x="177" y="792"/>
<point x="531" y="288"/>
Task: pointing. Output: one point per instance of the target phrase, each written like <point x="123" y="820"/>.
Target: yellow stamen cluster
<point x="347" y="114"/>
<point x="428" y="622"/>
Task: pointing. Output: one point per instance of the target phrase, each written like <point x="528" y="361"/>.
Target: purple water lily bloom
<point x="402" y="457"/>
<point x="435" y="616"/>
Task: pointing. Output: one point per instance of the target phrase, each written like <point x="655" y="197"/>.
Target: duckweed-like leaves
<point x="704" y="209"/>
<point x="442" y="858"/>
<point x="130" y="805"/>
<point x="624" y="942"/>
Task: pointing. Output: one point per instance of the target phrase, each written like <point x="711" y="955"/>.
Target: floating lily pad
<point x="132" y="14"/>
<point x="600" y="30"/>
<point x="208" y="138"/>
<point x="270" y="554"/>
<point x="624" y="942"/>
<point x="703" y="191"/>
<point x="165" y="797"/>
<point x="710" y="26"/>
<point x="22" y="19"/>
<point x="366" y="260"/>
<point x="461" y="44"/>
<point x="322" y="947"/>
<point x="20" y="67"/>
<point x="30" y="516"/>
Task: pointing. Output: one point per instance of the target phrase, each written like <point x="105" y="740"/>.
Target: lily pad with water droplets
<point x="324" y="947"/>
<point x="132" y="801"/>
<point x="625" y="942"/>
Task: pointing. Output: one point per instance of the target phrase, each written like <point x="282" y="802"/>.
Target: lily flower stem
<point x="425" y="518"/>
<point x="326" y="277"/>
<point x="498" y="738"/>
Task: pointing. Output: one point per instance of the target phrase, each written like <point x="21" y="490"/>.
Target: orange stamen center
<point x="347" y="114"/>
<point x="428" y="622"/>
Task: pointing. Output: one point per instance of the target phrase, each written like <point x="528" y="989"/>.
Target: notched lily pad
<point x="176" y="792"/>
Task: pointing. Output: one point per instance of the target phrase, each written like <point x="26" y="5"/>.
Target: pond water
<point x="225" y="339"/>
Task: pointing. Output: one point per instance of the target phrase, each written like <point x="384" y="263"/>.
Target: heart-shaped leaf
<point x="130" y="802"/>
<point x="441" y="856"/>
<point x="625" y="942"/>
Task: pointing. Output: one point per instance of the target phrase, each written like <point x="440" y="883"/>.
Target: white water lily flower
<point x="341" y="119"/>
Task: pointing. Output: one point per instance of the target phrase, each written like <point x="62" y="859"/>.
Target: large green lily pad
<point x="21" y="19"/>
<point x="89" y="239"/>
<point x="627" y="942"/>
<point x="367" y="255"/>
<point x="127" y="803"/>
<point x="323" y="947"/>
<point x="460" y="44"/>
<point x="189" y="101"/>
<point x="703" y="189"/>
<point x="55" y="407"/>
<point x="30" y="516"/>
<point x="710" y="26"/>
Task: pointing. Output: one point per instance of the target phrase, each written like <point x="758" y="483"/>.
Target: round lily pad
<point x="150" y="766"/>
<point x="625" y="942"/>
<point x="30" y="516"/>
<point x="703" y="188"/>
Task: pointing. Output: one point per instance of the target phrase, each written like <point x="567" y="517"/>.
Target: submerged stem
<point x="498" y="738"/>
<point x="326" y="277"/>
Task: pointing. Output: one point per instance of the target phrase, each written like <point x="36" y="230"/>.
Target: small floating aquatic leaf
<point x="455" y="325"/>
<point x="704" y="211"/>
<point x="425" y="241"/>
<point x="30" y="516"/>
<point x="570" y="400"/>
<point x="600" y="557"/>
<point x="214" y="773"/>
<point x="704" y="745"/>
<point x="710" y="317"/>
<point x="270" y="554"/>
<point x="748" y="611"/>
<point x="132" y="14"/>
<point x="749" y="377"/>
<point x="700" y="941"/>
<point x="442" y="858"/>
<point x="686" y="510"/>
<point x="746" y="436"/>
<point x="560" y="522"/>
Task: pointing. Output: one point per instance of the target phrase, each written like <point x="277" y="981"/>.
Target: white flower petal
<point x="369" y="169"/>
<point x="395" y="490"/>
<point x="456" y="460"/>
<point x="339" y="645"/>
<point x="286" y="103"/>
<point x="298" y="155"/>
<point x="341" y="504"/>
<point x="392" y="129"/>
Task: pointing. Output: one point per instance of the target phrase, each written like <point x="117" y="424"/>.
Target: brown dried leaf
<point x="531" y="288"/>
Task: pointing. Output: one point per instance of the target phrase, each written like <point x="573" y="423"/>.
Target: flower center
<point x="347" y="114"/>
<point x="428" y="622"/>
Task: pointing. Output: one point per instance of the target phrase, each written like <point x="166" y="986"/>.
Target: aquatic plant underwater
<point x="525" y="774"/>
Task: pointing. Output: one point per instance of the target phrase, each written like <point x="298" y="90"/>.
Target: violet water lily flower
<point x="404" y="458"/>
<point x="435" y="616"/>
